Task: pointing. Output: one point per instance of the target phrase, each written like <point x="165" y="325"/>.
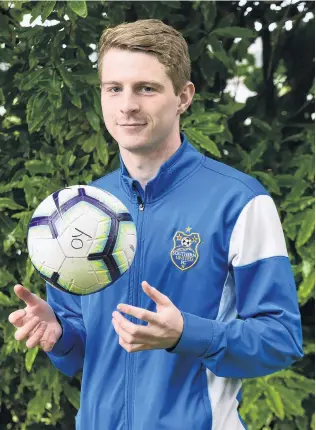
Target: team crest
<point x="185" y="254"/>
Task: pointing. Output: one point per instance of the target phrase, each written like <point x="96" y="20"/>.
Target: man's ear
<point x="186" y="97"/>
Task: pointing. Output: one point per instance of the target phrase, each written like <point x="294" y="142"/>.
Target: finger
<point x="25" y="295"/>
<point x="139" y="313"/>
<point x="23" y="332"/>
<point x="132" y="348"/>
<point x="128" y="338"/>
<point x="16" y="317"/>
<point x="34" y="340"/>
<point x="134" y="330"/>
<point x="155" y="295"/>
<point x="48" y="341"/>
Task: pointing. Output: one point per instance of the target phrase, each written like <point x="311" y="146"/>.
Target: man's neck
<point x="144" y="166"/>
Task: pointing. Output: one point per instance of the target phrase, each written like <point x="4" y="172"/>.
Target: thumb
<point x="155" y="295"/>
<point x="28" y="298"/>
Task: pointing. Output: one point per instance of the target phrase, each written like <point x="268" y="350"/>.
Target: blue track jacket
<point x="209" y="237"/>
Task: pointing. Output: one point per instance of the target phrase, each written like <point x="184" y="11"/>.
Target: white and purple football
<point x="81" y="239"/>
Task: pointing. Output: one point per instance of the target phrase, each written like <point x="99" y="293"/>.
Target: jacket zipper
<point x="131" y="356"/>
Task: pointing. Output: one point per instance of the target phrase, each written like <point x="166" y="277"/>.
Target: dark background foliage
<point x="52" y="135"/>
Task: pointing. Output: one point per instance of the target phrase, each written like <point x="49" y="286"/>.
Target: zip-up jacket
<point x="209" y="237"/>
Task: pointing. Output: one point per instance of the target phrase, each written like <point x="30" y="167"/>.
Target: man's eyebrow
<point x="139" y="83"/>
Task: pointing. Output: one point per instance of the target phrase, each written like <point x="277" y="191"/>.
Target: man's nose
<point x="129" y="103"/>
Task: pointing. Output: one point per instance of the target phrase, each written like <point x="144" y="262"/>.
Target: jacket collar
<point x="176" y="169"/>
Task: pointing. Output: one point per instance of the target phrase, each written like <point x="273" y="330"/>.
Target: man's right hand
<point x="36" y="323"/>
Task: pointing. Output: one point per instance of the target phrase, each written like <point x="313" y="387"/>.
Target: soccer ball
<point x="186" y="241"/>
<point x="81" y="239"/>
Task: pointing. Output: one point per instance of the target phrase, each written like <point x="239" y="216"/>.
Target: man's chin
<point x="135" y="148"/>
<point x="134" y="143"/>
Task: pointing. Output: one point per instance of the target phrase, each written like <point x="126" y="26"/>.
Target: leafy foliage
<point x="52" y="135"/>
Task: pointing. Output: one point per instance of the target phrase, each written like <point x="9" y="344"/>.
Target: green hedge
<point x="52" y="135"/>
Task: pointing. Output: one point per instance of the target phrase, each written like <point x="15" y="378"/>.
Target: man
<point x="209" y="240"/>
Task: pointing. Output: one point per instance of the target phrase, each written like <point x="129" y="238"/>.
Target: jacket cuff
<point x="197" y="336"/>
<point x="65" y="343"/>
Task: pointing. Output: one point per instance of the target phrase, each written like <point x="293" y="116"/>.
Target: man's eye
<point x="114" y="89"/>
<point x="148" y="89"/>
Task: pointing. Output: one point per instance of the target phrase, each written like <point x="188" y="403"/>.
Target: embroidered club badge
<point x="185" y="254"/>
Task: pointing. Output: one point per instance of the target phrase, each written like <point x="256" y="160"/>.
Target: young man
<point x="209" y="240"/>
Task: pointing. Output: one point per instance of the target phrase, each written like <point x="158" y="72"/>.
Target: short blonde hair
<point x="155" y="38"/>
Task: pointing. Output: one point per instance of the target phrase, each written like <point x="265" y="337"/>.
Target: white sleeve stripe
<point x="257" y="233"/>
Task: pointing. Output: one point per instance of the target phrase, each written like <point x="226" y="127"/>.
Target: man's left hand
<point x="163" y="330"/>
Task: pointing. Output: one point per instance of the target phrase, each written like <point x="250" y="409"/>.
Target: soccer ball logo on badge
<point x="186" y="241"/>
<point x="81" y="239"/>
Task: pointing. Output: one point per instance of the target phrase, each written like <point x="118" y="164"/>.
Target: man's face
<point x="140" y="108"/>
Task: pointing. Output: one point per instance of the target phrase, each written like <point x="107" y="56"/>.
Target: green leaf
<point x="102" y="150"/>
<point x="47" y="9"/>
<point x="94" y="120"/>
<point x="68" y="159"/>
<point x="298" y="188"/>
<point x="38" y="166"/>
<point x="97" y="102"/>
<point x="76" y="101"/>
<point x="210" y="146"/>
<point x="196" y="49"/>
<point x="269" y="181"/>
<point x="4" y="188"/>
<point x="307" y="228"/>
<point x="6" y="278"/>
<point x="5" y="300"/>
<point x="200" y="119"/>
<point x="90" y="143"/>
<point x="31" y="79"/>
<point x="209" y="13"/>
<point x="53" y="84"/>
<point x="298" y="205"/>
<point x="307" y="252"/>
<point x="79" y="7"/>
<point x="309" y="348"/>
<point x="2" y="98"/>
<point x="219" y="52"/>
<point x="37" y="111"/>
<point x="209" y="128"/>
<point x="72" y="394"/>
<point x="306" y="288"/>
<point x="29" y="270"/>
<point x="294" y="137"/>
<point x="43" y="9"/>
<point x="36" y="406"/>
<point x="7" y="203"/>
<point x="234" y="32"/>
<point x="286" y="180"/>
<point x="7" y="225"/>
<point x="256" y="154"/>
<point x="80" y="164"/>
<point x="262" y="125"/>
<point x="97" y="169"/>
<point x="88" y="77"/>
<point x="307" y="266"/>
<point x="291" y="221"/>
<point x="230" y="108"/>
<point x="30" y="358"/>
<point x="66" y="76"/>
<point x="223" y="58"/>
<point x="203" y="141"/>
<point x="72" y="133"/>
<point x="274" y="401"/>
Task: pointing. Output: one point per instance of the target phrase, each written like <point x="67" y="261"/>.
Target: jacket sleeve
<point x="67" y="354"/>
<point x="266" y="336"/>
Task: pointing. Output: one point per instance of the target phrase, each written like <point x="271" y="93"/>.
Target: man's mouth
<point x="132" y="125"/>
